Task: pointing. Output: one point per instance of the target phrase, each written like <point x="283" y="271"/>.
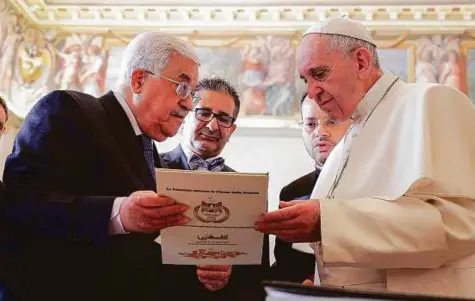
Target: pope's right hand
<point x="148" y="212"/>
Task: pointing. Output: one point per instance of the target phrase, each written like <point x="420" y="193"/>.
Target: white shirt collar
<point x="128" y="112"/>
<point x="188" y="153"/>
<point x="373" y="96"/>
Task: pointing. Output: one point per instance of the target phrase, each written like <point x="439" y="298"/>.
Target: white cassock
<point x="397" y="194"/>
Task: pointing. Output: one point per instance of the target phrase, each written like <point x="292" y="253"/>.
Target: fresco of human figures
<point x="471" y="73"/>
<point x="34" y="62"/>
<point x="439" y="61"/>
<point x="263" y="71"/>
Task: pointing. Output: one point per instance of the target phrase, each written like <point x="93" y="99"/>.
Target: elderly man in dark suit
<point x="320" y="135"/>
<point x="206" y="131"/>
<point x="81" y="181"/>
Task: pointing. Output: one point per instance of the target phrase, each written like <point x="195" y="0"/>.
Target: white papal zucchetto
<point x="341" y="26"/>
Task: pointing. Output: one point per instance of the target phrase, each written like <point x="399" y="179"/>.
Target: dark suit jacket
<point x="245" y="281"/>
<point x="72" y="157"/>
<point x="293" y="265"/>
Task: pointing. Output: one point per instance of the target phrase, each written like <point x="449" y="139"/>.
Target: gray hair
<point x="346" y="44"/>
<point x="151" y="51"/>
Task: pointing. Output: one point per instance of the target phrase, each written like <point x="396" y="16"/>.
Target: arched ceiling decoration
<point x="213" y="16"/>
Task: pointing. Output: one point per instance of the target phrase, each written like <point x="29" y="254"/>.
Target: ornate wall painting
<point x="470" y="62"/>
<point x="397" y="62"/>
<point x="439" y="60"/>
<point x="34" y="64"/>
<point x="81" y="64"/>
<point x="263" y="71"/>
<point x="27" y="57"/>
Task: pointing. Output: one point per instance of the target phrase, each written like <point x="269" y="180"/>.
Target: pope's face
<point x="331" y="77"/>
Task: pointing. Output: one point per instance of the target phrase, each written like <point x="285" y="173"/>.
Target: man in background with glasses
<point x="296" y="262"/>
<point x="82" y="187"/>
<point x="205" y="133"/>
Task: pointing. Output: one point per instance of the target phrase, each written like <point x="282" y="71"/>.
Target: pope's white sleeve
<point x="409" y="232"/>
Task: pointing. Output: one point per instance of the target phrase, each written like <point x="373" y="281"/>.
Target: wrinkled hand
<point x="148" y="212"/>
<point x="214" y="277"/>
<point x="296" y="221"/>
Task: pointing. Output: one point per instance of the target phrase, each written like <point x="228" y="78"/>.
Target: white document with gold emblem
<point x="223" y="207"/>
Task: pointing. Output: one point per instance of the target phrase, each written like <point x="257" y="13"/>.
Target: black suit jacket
<point x="73" y="155"/>
<point x="293" y="265"/>
<point x="245" y="281"/>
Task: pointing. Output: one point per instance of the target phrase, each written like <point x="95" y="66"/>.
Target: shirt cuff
<point x="115" y="223"/>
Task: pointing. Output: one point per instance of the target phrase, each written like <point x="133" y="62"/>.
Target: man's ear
<point x="364" y="59"/>
<point x="137" y="80"/>
<point x="232" y="129"/>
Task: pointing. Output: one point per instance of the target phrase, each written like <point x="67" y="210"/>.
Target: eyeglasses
<point x="183" y="89"/>
<point x="207" y="115"/>
<point x="310" y="125"/>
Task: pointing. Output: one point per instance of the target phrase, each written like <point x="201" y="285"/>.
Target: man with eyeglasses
<point x="296" y="262"/>
<point x="205" y="133"/>
<point x="82" y="187"/>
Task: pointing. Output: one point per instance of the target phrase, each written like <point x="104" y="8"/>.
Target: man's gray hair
<point x="346" y="44"/>
<point x="150" y="51"/>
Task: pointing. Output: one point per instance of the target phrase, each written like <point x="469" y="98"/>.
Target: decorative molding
<point x="394" y="42"/>
<point x="204" y="18"/>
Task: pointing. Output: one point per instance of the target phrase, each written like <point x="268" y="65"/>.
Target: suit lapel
<point x="175" y="159"/>
<point x="127" y="142"/>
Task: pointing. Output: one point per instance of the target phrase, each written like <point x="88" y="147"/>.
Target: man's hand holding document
<point x="223" y="208"/>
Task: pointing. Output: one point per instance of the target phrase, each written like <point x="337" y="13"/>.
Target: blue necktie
<point x="148" y="153"/>
<point x="196" y="163"/>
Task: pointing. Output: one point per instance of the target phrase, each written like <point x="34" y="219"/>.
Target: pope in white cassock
<point x="394" y="206"/>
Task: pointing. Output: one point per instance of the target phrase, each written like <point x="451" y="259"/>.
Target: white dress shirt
<point x="115" y="224"/>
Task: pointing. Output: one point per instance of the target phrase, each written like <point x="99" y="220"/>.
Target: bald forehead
<point x="313" y="43"/>
<point x="314" y="51"/>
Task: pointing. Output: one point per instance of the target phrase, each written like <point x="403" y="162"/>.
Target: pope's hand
<point x="146" y="211"/>
<point x="214" y="277"/>
<point x="296" y="221"/>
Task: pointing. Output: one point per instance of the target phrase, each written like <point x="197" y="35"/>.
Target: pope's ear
<point x="364" y="59"/>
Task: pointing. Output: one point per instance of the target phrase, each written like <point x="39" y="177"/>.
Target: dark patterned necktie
<point x="196" y="163"/>
<point x="148" y="153"/>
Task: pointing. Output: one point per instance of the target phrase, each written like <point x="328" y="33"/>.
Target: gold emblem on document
<point x="211" y="212"/>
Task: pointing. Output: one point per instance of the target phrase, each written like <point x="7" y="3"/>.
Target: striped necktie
<point x="148" y="153"/>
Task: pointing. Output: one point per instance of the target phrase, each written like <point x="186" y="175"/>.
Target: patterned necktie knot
<point x="196" y="163"/>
